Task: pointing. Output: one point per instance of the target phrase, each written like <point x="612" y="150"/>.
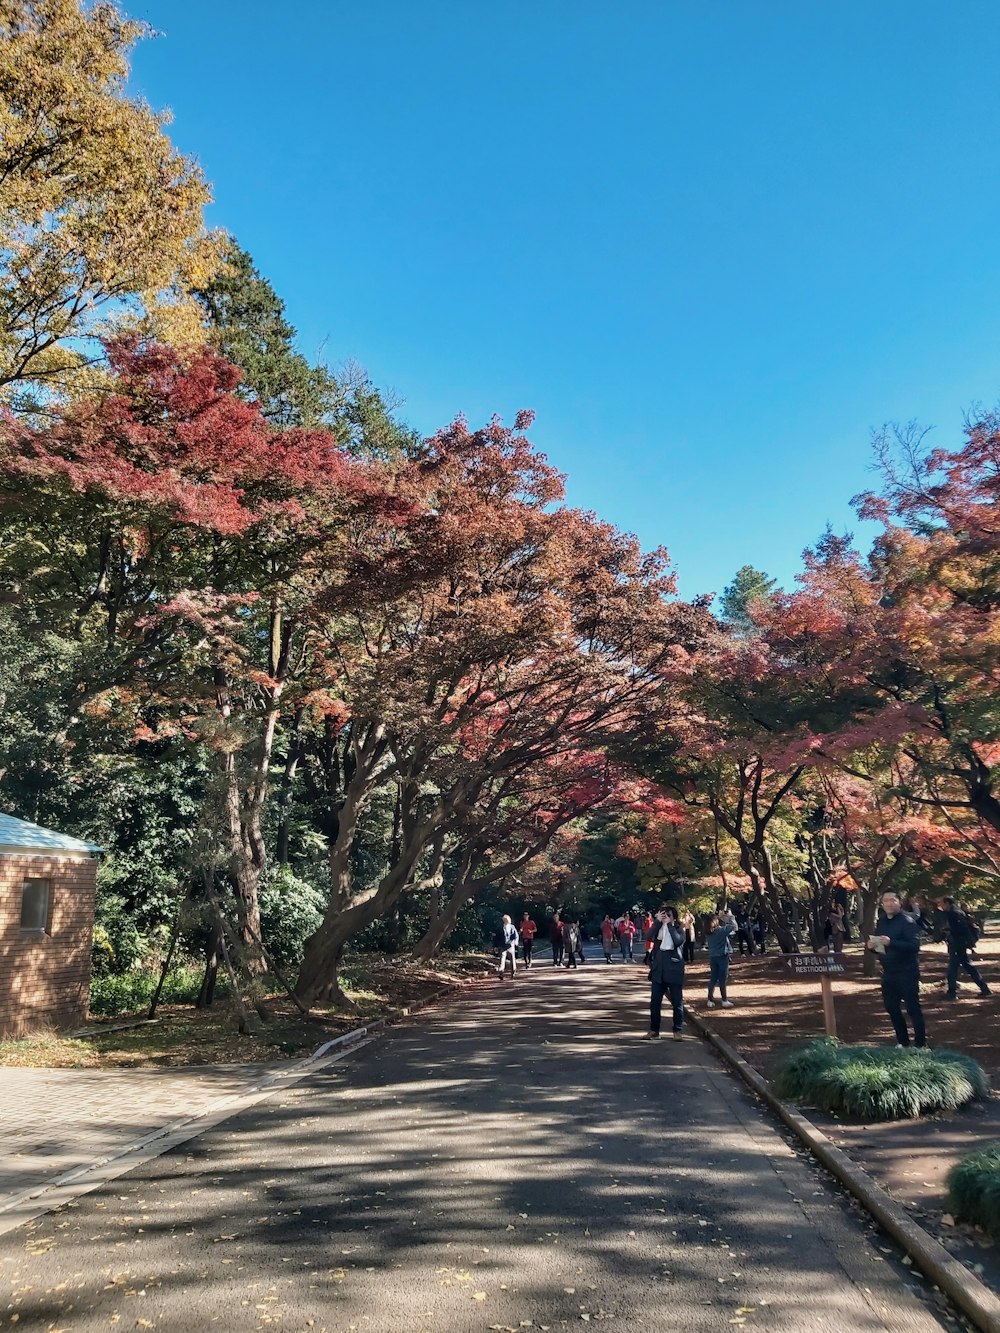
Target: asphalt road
<point x="518" y="1159"/>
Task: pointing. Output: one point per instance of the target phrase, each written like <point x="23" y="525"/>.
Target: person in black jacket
<point x="897" y="942"/>
<point x="556" y="939"/>
<point x="666" y="971"/>
<point x="962" y="936"/>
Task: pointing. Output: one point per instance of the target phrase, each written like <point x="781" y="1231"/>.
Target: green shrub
<point x="131" y="992"/>
<point x="974" y="1188"/>
<point x="878" y="1082"/>
<point x="290" y="911"/>
<point x="118" y="944"/>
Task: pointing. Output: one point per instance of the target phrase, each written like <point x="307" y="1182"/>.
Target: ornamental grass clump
<point x="974" y="1188"/>
<point x="878" y="1082"/>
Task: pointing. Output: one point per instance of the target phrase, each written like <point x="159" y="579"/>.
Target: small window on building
<point x="35" y="901"/>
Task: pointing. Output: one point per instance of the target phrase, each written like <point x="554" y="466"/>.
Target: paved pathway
<point x="55" y="1120"/>
<point x="516" y="1160"/>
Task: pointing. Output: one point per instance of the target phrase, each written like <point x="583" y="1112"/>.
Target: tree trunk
<point x="762" y="879"/>
<point x="443" y="922"/>
<point x="441" y="926"/>
<point x="174" y="935"/>
<point x="317" y="979"/>
<point x="394" y="922"/>
<point x="207" y="993"/>
<point x="244" y="809"/>
<point x="869" y="913"/>
<point x="245" y="875"/>
<point x="287" y="786"/>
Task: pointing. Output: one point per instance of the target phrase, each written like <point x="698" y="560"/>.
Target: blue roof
<point x="19" y="833"/>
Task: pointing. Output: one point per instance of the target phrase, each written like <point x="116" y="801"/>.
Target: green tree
<point x="749" y="585"/>
<point x="248" y="326"/>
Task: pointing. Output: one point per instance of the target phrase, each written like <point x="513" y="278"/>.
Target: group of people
<point x="667" y="942"/>
<point x="667" y="939"/>
<point x="564" y="936"/>
<point x="628" y="934"/>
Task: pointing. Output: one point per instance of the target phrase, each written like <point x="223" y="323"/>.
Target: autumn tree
<point x="495" y="633"/>
<point x="899" y="651"/>
<point x="517" y="819"/>
<point x="175" y="537"/>
<point x="100" y="217"/>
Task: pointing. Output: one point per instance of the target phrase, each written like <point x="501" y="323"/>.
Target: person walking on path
<point x="626" y="934"/>
<point x="962" y="936"/>
<point x="743" y="935"/>
<point x="607" y="937"/>
<point x="687" y="925"/>
<point x="527" y="930"/>
<point x="720" y="948"/>
<point x="571" y="942"/>
<point x="508" y="947"/>
<point x="838" y="927"/>
<point x="897" y="942"/>
<point x="556" y="939"/>
<point x="666" y="973"/>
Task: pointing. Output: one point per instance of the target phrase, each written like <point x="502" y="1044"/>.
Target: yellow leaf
<point x="479" y="1295"/>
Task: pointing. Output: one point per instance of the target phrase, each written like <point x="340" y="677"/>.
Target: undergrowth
<point x="130" y="992"/>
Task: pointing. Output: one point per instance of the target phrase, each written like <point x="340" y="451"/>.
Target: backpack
<point x="969" y="932"/>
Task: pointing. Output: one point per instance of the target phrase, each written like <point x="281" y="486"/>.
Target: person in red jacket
<point x="607" y="937"/>
<point x="527" y="930"/>
<point x="626" y="934"/>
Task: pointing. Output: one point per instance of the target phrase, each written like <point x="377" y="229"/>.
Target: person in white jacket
<point x="508" y="947"/>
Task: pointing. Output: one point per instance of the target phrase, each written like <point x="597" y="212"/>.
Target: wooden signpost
<point x="825" y="966"/>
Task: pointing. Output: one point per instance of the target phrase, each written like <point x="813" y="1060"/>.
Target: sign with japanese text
<point x="816" y="965"/>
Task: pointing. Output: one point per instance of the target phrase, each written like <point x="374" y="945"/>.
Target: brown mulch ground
<point x="908" y="1158"/>
<point x="377" y="987"/>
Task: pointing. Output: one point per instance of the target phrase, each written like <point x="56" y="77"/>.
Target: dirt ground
<point x="911" y="1159"/>
<point x="182" y="1035"/>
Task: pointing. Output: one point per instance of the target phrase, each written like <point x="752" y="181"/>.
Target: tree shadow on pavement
<point x="516" y="1156"/>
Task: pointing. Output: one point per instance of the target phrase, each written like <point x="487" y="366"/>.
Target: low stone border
<point x="973" y="1297"/>
<point x="82" y="1179"/>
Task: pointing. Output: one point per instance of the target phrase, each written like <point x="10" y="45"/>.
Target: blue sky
<point x="713" y="245"/>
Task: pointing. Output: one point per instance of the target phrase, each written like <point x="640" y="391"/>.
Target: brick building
<point x="47" y="891"/>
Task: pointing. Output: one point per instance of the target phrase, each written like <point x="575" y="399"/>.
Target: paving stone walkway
<point x="55" y="1120"/>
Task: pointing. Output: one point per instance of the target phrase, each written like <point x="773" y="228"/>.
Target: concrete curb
<point x="357" y="1034"/>
<point x="83" y="1179"/>
<point x="973" y="1297"/>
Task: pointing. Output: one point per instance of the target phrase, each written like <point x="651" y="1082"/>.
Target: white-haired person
<point x="508" y="947"/>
